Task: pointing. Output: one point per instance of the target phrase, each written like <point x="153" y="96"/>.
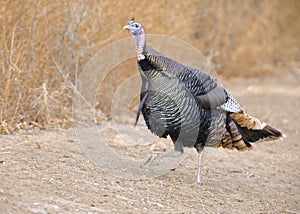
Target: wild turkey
<point x="189" y="106"/>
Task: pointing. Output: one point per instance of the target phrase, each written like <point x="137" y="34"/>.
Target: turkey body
<point x="169" y="108"/>
<point x="201" y="110"/>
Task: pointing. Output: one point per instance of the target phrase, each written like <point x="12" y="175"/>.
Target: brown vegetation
<point x="44" y="45"/>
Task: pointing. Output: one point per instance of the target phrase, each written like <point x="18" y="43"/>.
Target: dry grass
<point x="44" y="45"/>
<point x="253" y="38"/>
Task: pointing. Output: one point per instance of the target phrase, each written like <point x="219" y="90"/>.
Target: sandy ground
<point x="47" y="172"/>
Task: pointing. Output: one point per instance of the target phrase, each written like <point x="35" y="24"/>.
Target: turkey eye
<point x="136" y="25"/>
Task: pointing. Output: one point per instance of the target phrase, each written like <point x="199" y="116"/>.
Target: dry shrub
<point x="43" y="47"/>
<point x="45" y="44"/>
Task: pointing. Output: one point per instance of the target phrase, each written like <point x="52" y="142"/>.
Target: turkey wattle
<point x="189" y="106"/>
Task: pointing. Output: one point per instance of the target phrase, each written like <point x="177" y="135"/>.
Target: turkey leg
<point x="200" y="152"/>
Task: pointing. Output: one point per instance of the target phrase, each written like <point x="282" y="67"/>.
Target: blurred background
<point x="45" y="44"/>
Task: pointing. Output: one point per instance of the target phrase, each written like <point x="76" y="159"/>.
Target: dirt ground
<point x="47" y="172"/>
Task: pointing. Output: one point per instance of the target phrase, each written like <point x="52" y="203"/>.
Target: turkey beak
<point x="127" y="27"/>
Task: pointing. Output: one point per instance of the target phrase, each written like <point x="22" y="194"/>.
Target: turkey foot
<point x="153" y="156"/>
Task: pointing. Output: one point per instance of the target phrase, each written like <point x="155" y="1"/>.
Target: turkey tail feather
<point x="265" y="134"/>
<point x="254" y="130"/>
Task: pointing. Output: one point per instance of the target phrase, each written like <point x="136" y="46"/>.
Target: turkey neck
<point x="140" y="43"/>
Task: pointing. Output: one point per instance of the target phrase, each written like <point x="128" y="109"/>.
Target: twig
<point x="289" y="211"/>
